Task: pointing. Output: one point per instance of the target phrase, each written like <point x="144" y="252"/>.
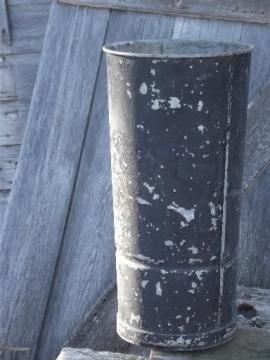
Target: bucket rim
<point x="124" y="48"/>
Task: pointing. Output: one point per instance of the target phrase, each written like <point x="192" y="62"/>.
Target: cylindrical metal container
<point x="177" y="125"/>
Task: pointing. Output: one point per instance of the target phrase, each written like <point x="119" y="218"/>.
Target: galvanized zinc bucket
<point x="177" y="125"/>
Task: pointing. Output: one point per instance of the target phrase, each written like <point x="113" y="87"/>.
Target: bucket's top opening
<point x="176" y="48"/>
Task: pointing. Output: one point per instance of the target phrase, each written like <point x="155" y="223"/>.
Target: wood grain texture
<point x="19" y="60"/>
<point x="254" y="234"/>
<point x="259" y="299"/>
<point x="8" y="162"/>
<point x="47" y="168"/>
<point x="13" y="115"/>
<point x="18" y="75"/>
<point x="87" y="354"/>
<point x="4" y="196"/>
<point x="28" y="24"/>
<point x="102" y="319"/>
<point x="257" y="11"/>
<point x="4" y="24"/>
<point x="90" y="332"/>
<point x="86" y="266"/>
<point x="246" y="344"/>
<point x="254" y="230"/>
<point x="257" y="143"/>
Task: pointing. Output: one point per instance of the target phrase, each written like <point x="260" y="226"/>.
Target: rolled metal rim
<point x="176" y="49"/>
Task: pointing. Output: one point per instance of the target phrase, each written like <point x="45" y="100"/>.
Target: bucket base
<point x="177" y="342"/>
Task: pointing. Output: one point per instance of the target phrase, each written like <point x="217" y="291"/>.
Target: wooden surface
<point x="255" y="217"/>
<point x="19" y="58"/>
<point x="255" y="313"/>
<point x="86" y="266"/>
<point x="102" y="318"/>
<point x="4" y="23"/>
<point x="47" y="169"/>
<point x="60" y="209"/>
<point x="87" y="354"/>
<point x="246" y="344"/>
<point x="257" y="11"/>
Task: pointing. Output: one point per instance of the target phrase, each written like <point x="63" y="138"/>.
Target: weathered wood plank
<point x="87" y="354"/>
<point x="86" y="265"/>
<point x="7" y="171"/>
<point x="255" y="215"/>
<point x="70" y="354"/>
<point x="246" y="344"/>
<point x="4" y="21"/>
<point x="257" y="11"/>
<point x="259" y="300"/>
<point x="8" y="162"/>
<point x="41" y="195"/>
<point x="20" y="2"/>
<point x="12" y="124"/>
<point x="257" y="153"/>
<point x="102" y="319"/>
<point x="254" y="230"/>
<point x="90" y="332"/>
<point x="28" y="24"/>
<point x="18" y="75"/>
<point x="4" y="196"/>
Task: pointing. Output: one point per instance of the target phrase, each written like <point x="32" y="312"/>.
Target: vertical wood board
<point x="86" y="266"/>
<point x="47" y="168"/>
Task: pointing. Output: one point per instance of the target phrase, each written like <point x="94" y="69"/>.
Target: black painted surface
<point x="177" y="127"/>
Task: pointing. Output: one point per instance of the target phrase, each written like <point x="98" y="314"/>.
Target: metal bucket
<point x="177" y="125"/>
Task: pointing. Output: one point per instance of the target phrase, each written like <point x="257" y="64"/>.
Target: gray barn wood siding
<point x="61" y="199"/>
<point x="19" y="60"/>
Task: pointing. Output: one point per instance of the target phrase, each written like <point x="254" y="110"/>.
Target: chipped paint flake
<point x="158" y="289"/>
<point x="193" y="249"/>
<point x="168" y="243"/>
<point x="155" y="196"/>
<point x="213" y="213"/>
<point x="174" y="103"/>
<point x="188" y="214"/>
<point x="148" y="187"/>
<point x="154" y="89"/>
<point x="156" y="104"/>
<point x="143" y="89"/>
<point x="153" y="72"/>
<point x="199" y="274"/>
<point x="144" y="283"/>
<point x="200" y="105"/>
<point x="201" y="128"/>
<point x="141" y="201"/>
<point x="194" y="261"/>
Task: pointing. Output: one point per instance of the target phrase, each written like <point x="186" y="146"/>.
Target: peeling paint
<point x="200" y="105"/>
<point x="187" y="214"/>
<point x="174" y="103"/>
<point x="143" y="89"/>
<point x="148" y="187"/>
<point x="143" y="202"/>
<point x="168" y="243"/>
<point x="158" y="289"/>
<point x="201" y="128"/>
